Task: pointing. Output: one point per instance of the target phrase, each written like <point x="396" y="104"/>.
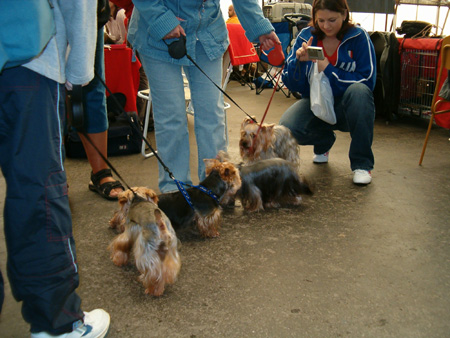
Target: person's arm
<point x="295" y="72"/>
<point x="80" y="18"/>
<point x="363" y="69"/>
<point x="159" y="18"/>
<point x="257" y="27"/>
<point x="121" y="21"/>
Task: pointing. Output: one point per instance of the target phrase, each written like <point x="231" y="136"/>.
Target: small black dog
<point x="270" y="183"/>
<point x="222" y="180"/>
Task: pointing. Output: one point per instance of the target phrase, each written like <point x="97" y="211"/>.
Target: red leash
<point x="270" y="101"/>
<point x="275" y="57"/>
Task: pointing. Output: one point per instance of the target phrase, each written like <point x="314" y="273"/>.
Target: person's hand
<point x="268" y="41"/>
<point x="322" y="64"/>
<point x="175" y="33"/>
<point x="301" y="54"/>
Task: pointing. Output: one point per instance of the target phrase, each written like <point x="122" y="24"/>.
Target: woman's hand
<point x="175" y="33"/>
<point x="268" y="41"/>
<point x="322" y="64"/>
<point x="301" y="54"/>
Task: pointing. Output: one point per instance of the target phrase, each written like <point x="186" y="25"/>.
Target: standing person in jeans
<point x="350" y="65"/>
<point x="42" y="266"/>
<point x="153" y="26"/>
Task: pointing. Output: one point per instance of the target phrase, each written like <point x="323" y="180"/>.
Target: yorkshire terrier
<point x="271" y="141"/>
<point x="148" y="233"/>
<point x="125" y="199"/>
<point x="270" y="183"/>
<point x="204" y="215"/>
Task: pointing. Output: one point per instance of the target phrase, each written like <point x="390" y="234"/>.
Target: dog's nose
<point x="243" y="143"/>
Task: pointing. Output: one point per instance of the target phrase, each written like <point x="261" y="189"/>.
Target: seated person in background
<point x="115" y="30"/>
<point x="127" y="5"/>
<point x="350" y="65"/>
<point x="232" y="17"/>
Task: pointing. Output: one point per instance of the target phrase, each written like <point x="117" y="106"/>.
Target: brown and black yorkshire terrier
<point x="222" y="179"/>
<point x="148" y="233"/>
<point x="271" y="141"/>
<point x="270" y="183"/>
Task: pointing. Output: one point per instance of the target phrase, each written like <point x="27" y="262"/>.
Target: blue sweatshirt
<point x="70" y="54"/>
<point x="356" y="63"/>
<point x="202" y="21"/>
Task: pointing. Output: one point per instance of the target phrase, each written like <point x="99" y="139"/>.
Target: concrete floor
<point x="351" y="261"/>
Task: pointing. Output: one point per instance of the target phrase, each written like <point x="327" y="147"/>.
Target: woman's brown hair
<point x="340" y="6"/>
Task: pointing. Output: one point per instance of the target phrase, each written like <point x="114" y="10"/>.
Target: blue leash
<point x="186" y="196"/>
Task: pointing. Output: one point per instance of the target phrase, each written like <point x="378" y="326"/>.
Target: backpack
<point x="387" y="86"/>
<point x="26" y="28"/>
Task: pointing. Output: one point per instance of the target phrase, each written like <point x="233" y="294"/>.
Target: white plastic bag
<point x="321" y="96"/>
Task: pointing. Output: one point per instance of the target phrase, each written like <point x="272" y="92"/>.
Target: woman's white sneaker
<point x="361" y="176"/>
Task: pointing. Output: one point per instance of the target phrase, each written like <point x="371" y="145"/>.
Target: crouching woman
<point x="350" y="66"/>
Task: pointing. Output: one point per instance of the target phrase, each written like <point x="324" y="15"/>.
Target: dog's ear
<point x="210" y="163"/>
<point x="247" y="120"/>
<point x="151" y="195"/>
<point x="124" y="196"/>
<point x="269" y="127"/>
<point x="222" y="156"/>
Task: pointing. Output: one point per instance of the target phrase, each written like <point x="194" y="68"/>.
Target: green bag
<point x="26" y="28"/>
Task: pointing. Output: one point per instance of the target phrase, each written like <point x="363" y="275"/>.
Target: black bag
<point x="123" y="139"/>
<point x="387" y="86"/>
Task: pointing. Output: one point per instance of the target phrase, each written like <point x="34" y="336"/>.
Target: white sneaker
<point x="361" y="176"/>
<point x="322" y="158"/>
<point x="96" y="325"/>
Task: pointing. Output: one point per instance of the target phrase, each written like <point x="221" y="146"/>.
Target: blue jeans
<point x="169" y="112"/>
<point x="94" y="95"/>
<point x="355" y="113"/>
<point x="42" y="266"/>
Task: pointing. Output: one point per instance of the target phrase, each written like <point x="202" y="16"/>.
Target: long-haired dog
<point x="270" y="183"/>
<point x="148" y="234"/>
<point x="270" y="141"/>
<point x="204" y="213"/>
<point x="124" y="199"/>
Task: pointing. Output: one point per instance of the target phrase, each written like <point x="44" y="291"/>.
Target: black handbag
<point x="123" y="138"/>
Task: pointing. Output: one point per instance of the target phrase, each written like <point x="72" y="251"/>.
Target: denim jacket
<point x="201" y="20"/>
<point x="356" y="62"/>
<point x="70" y="54"/>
